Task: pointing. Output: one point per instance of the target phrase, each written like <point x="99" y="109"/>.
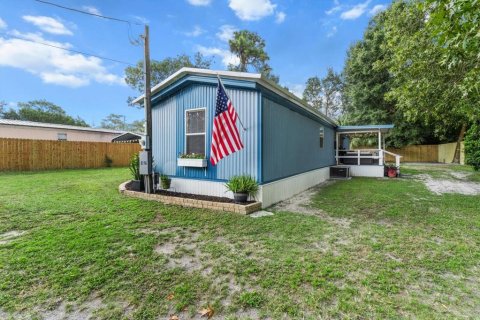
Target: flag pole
<point x="238" y="117"/>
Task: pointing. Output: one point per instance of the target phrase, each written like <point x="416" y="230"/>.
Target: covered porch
<point x="363" y="161"/>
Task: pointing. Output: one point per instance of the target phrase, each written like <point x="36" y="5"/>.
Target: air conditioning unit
<point x="339" y="172"/>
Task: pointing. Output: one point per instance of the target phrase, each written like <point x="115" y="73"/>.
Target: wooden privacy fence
<point x="427" y="153"/>
<point x="416" y="153"/>
<point x="22" y="154"/>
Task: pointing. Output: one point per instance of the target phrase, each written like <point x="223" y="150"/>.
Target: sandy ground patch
<point x="9" y="236"/>
<point x="302" y="203"/>
<point x="440" y="186"/>
<point x="64" y="311"/>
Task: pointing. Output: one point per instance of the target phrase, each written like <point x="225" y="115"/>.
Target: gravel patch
<point x="441" y="186"/>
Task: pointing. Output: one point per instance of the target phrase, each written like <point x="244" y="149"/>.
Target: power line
<point x="71" y="50"/>
<point x="129" y="23"/>
<point x="86" y="12"/>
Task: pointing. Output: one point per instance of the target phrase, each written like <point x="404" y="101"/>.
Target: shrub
<point x="165" y="181"/>
<point x="240" y="184"/>
<point x="472" y="146"/>
<point x="135" y="167"/>
<point x="108" y="161"/>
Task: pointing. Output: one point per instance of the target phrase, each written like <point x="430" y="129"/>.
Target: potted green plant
<point x="166" y="181"/>
<point x="137" y="183"/>
<point x="242" y="187"/>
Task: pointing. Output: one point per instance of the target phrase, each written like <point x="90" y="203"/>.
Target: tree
<point x="249" y="47"/>
<point x="325" y="94"/>
<point x="312" y="93"/>
<point x="160" y="70"/>
<point x="454" y="26"/>
<point x="424" y="89"/>
<point x="472" y="146"/>
<point x="114" y="121"/>
<point x="137" y="126"/>
<point x="117" y="122"/>
<point x="381" y="86"/>
<point x="332" y="86"/>
<point x="367" y="81"/>
<point x="41" y="111"/>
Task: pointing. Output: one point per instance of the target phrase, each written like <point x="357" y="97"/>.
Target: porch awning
<point x="127" y="137"/>
<point x="368" y="128"/>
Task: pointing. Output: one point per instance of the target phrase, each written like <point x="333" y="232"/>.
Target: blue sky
<point x="303" y="37"/>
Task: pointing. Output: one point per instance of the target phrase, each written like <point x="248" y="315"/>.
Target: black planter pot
<point x="166" y="183"/>
<point x="136" y="185"/>
<point x="240" y="197"/>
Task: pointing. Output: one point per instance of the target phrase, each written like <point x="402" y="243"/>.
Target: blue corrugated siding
<point x="242" y="162"/>
<point x="290" y="142"/>
<point x="164" y="146"/>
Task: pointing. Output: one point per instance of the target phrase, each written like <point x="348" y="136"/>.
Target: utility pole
<point x="148" y="178"/>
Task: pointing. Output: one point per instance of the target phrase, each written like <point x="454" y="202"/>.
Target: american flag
<point x="225" y="137"/>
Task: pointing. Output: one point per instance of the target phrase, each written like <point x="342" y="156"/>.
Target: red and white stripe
<point x="225" y="136"/>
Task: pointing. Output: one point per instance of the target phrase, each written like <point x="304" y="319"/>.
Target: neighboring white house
<point x="48" y="131"/>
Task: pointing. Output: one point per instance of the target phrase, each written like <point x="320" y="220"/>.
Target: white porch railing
<point x="371" y="154"/>
<point x="397" y="157"/>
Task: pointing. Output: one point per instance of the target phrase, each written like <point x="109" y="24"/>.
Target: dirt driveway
<point x="444" y="178"/>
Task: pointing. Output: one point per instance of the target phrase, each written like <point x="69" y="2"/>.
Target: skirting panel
<point x="366" y="171"/>
<point x="203" y="187"/>
<point x="280" y="190"/>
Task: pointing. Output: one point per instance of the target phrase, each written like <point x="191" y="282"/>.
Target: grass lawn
<point x="71" y="245"/>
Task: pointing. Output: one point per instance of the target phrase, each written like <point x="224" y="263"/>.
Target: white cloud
<point x="53" y="65"/>
<point x="378" y="8"/>
<point x="91" y="9"/>
<point x="67" y="80"/>
<point x="332" y="32"/>
<point x="280" y="17"/>
<point x="48" y="24"/>
<point x="252" y="10"/>
<point x="355" y="12"/>
<point x="336" y="7"/>
<point x="3" y="24"/>
<point x="226" y="32"/>
<point x="197" y="30"/>
<point x="199" y="2"/>
<point x="296" y="89"/>
<point x="227" y="57"/>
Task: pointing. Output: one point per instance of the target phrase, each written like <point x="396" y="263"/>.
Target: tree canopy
<point x="249" y="47"/>
<point x="117" y="122"/>
<point x="160" y="70"/>
<point x="325" y="94"/>
<point x="455" y="27"/>
<point x="399" y="73"/>
<point x="41" y="111"/>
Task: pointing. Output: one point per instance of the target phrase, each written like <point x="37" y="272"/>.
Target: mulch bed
<point x="191" y="196"/>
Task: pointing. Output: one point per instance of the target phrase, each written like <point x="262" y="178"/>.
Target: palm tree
<point x="250" y="49"/>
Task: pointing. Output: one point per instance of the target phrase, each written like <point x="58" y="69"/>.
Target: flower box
<point x="196" y="163"/>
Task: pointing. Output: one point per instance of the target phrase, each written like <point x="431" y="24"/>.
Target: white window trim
<point x="321" y="135"/>
<point x="194" y="134"/>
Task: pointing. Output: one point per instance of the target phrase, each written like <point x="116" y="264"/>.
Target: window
<point x="62" y="136"/>
<point x="195" y="131"/>
<point x="322" y="136"/>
